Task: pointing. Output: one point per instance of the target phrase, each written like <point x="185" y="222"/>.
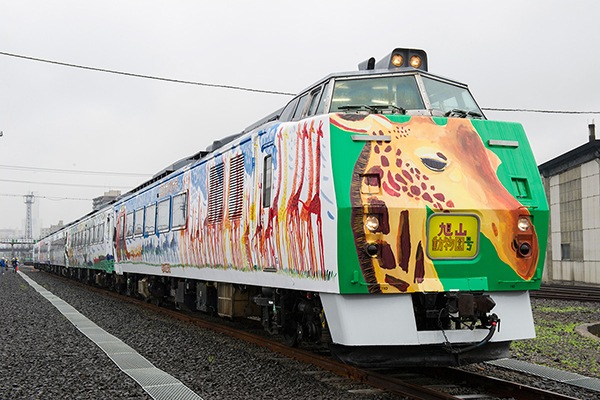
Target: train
<point x="379" y="213"/>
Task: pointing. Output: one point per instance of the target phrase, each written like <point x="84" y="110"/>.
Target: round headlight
<point x="524" y="224"/>
<point x="397" y="60"/>
<point x="372" y="223"/>
<point x="415" y="61"/>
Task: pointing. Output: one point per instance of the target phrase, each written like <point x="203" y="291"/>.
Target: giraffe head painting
<point x="422" y="168"/>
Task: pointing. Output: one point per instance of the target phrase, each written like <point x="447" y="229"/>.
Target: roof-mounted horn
<point x="367" y="64"/>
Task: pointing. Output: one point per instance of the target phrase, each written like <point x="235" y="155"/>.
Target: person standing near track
<point x="3" y="264"/>
<point x="15" y="264"/>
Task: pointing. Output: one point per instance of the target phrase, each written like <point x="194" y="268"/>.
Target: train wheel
<point x="291" y="333"/>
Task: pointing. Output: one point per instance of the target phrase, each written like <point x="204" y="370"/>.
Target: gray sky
<point x="513" y="54"/>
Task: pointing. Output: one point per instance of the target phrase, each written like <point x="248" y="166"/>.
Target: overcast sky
<point x="512" y="54"/>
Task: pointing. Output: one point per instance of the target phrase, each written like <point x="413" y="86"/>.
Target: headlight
<point x="397" y="60"/>
<point x="372" y="223"/>
<point x="524" y="224"/>
<point x="415" y="61"/>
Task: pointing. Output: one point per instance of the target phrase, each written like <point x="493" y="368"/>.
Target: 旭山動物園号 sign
<point x="452" y="236"/>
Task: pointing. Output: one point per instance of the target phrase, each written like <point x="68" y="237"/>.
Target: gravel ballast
<point x="43" y="356"/>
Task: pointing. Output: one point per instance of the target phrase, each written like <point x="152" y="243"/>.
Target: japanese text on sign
<point x="453" y="236"/>
<point x="449" y="240"/>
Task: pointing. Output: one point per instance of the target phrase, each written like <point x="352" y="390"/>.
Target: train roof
<point x="401" y="61"/>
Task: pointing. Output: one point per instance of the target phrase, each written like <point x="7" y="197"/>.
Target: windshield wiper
<point x="373" y="109"/>
<point x="395" y="109"/>
<point x="463" y="114"/>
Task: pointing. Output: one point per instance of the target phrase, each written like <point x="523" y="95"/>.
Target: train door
<point x="267" y="207"/>
<point x="68" y="244"/>
<point x="108" y="240"/>
<point x="121" y="250"/>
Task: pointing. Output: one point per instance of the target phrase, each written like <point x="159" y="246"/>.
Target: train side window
<point x="129" y="225"/>
<point x="163" y="215"/>
<point x="180" y="211"/>
<point x="236" y="187"/>
<point x="150" y="219"/>
<point x="101" y="233"/>
<point x="323" y="100"/>
<point x="215" y="194"/>
<point x="267" y="181"/>
<point x="300" y="108"/>
<point x="288" y="111"/>
<point x="122" y="227"/>
<point x="139" y="222"/>
<point x="314" y="101"/>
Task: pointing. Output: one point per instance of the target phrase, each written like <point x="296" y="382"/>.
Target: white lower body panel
<point x="388" y="320"/>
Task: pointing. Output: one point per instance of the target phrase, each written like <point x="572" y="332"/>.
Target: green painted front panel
<point x="487" y="271"/>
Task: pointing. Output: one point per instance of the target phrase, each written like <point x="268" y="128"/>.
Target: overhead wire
<point x="539" y="111"/>
<point x="147" y="76"/>
<point x="70" y="171"/>
<point x="52" y="198"/>
<point x="251" y="89"/>
<point x="63" y="184"/>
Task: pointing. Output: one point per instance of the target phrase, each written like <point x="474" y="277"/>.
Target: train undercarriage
<point x="299" y="317"/>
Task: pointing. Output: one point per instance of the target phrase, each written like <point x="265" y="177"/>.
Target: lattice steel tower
<point x="29" y="199"/>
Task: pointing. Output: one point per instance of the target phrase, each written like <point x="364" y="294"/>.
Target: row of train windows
<point x="159" y="217"/>
<point x="92" y="235"/>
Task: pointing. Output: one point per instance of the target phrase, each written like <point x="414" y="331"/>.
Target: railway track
<point x="568" y="292"/>
<point x="442" y="381"/>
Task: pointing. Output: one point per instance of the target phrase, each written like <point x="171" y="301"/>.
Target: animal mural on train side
<point x="428" y="168"/>
<point x="379" y="213"/>
<point x="287" y="235"/>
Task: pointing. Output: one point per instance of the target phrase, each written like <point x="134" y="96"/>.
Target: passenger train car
<point x="379" y="213"/>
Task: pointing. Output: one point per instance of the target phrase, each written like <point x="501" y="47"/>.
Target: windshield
<point x="446" y="98"/>
<point x="394" y="92"/>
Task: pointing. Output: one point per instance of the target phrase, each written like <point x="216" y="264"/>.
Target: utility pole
<point x="29" y="199"/>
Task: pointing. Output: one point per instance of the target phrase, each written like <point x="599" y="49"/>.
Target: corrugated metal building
<point x="572" y="185"/>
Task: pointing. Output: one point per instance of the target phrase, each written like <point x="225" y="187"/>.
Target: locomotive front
<point x="448" y="220"/>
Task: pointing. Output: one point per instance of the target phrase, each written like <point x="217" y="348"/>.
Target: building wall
<point x="590" y="193"/>
<point x="574" y="198"/>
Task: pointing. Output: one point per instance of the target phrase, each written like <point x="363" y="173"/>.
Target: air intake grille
<point x="215" y="194"/>
<point x="236" y="187"/>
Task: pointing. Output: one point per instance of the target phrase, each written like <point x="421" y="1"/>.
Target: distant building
<point x="572" y="185"/>
<point x="109" y="196"/>
<point x="8" y="233"/>
<point x="53" y="228"/>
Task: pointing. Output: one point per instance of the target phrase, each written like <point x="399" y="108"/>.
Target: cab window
<point x="315" y="96"/>
<point x="300" y="108"/>
<point x="387" y="92"/>
<point x="288" y="111"/>
<point x="322" y="101"/>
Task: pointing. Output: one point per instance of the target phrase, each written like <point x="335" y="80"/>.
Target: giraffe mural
<point x="426" y="166"/>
